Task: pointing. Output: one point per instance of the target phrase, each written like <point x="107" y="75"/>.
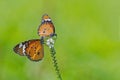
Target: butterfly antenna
<point x="42" y="40"/>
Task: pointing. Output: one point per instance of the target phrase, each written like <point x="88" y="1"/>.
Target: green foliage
<point x="87" y="45"/>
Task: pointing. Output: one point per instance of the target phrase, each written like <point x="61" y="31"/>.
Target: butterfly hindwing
<point x="33" y="49"/>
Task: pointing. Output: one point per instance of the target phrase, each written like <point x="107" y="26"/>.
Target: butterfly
<point x="46" y="29"/>
<point x="34" y="49"/>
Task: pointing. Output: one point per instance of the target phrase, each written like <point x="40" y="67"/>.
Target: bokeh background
<point x="87" y="46"/>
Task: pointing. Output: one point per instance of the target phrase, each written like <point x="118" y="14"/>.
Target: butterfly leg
<point x="52" y="35"/>
<point x="42" y="40"/>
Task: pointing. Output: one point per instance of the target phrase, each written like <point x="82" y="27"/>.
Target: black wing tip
<point x="15" y="48"/>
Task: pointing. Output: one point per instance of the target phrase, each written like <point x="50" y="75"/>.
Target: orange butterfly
<point x="46" y="29"/>
<point x="34" y="49"/>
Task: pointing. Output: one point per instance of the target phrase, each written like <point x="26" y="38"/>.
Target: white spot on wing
<point x="20" y="45"/>
<point x="47" y="19"/>
<point x="24" y="49"/>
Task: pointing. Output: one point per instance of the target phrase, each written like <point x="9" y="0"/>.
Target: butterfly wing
<point x="33" y="49"/>
<point x="46" y="28"/>
<point x="20" y="48"/>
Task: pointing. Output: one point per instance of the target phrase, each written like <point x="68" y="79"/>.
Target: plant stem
<point x="52" y="50"/>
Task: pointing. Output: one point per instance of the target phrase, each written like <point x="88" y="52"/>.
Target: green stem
<point x="55" y="62"/>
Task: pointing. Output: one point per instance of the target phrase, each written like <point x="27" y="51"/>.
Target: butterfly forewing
<point x="46" y="28"/>
<point x="20" y="48"/>
<point x="33" y="49"/>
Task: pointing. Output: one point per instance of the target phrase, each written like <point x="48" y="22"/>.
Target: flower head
<point x="50" y="42"/>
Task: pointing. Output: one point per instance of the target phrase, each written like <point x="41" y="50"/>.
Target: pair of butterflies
<point x="34" y="49"/>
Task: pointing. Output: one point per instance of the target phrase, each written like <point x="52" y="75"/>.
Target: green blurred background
<point x="87" y="45"/>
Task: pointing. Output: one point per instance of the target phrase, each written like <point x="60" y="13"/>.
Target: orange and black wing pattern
<point x="33" y="49"/>
<point x="46" y="28"/>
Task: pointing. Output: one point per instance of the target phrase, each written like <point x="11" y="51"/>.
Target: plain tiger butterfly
<point x="34" y="49"/>
<point x="46" y="29"/>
